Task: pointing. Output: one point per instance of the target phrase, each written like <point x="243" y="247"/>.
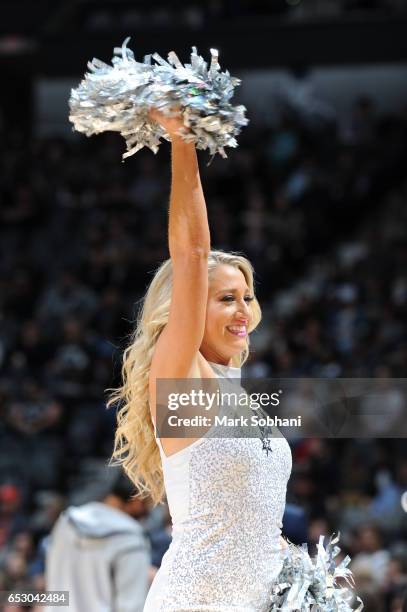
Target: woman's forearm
<point x="188" y="220"/>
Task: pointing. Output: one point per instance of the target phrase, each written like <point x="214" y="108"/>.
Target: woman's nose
<point x="243" y="309"/>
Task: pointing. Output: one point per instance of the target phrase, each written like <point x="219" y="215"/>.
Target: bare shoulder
<point x="200" y="369"/>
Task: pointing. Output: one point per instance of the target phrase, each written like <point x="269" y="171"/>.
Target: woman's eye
<point x="230" y="298"/>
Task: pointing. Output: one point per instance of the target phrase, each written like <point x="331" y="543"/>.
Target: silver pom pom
<point x="311" y="585"/>
<point x="118" y="98"/>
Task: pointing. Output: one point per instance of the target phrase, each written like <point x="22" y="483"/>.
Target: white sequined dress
<point x="226" y="498"/>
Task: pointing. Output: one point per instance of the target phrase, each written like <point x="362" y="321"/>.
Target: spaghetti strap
<point x="158" y="439"/>
<point x="178" y="454"/>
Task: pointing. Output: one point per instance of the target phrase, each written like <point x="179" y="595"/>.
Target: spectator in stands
<point x="99" y="554"/>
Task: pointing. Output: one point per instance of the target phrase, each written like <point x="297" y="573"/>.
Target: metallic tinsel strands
<point x="311" y="585"/>
<point x="118" y="97"/>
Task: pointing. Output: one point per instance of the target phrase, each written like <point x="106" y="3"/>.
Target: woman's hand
<point x="172" y="124"/>
<point x="283" y="543"/>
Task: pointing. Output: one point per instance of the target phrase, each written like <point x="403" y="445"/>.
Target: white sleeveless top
<point x="226" y="499"/>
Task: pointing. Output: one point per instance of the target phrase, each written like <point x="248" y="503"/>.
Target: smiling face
<point x="228" y="315"/>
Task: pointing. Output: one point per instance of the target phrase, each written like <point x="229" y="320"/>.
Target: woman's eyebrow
<point x="231" y="291"/>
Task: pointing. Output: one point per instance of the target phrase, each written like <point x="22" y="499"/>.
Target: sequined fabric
<point x="226" y="498"/>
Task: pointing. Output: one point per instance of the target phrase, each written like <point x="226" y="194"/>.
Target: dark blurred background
<point x="315" y="195"/>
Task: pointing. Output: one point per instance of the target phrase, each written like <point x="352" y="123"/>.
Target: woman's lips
<point x="237" y="330"/>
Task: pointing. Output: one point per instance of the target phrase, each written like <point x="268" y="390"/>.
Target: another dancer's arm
<point x="176" y="353"/>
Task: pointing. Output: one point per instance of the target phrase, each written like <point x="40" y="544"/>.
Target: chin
<point x="242" y="342"/>
<point x="236" y="348"/>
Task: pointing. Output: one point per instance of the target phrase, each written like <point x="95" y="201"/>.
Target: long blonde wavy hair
<point x="135" y="447"/>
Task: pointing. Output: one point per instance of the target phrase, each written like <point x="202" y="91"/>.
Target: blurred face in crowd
<point x="317" y="528"/>
<point x="137" y="508"/>
<point x="23" y="543"/>
<point x="369" y="539"/>
<point x="10" y="500"/>
<point x="15" y="565"/>
<point x="228" y="315"/>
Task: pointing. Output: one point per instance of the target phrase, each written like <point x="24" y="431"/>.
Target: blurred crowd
<point x="320" y="210"/>
<point x="197" y="15"/>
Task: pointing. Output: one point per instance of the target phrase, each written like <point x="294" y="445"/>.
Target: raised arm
<point x="176" y="353"/>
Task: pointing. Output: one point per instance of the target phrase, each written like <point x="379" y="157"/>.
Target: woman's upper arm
<point x="177" y="348"/>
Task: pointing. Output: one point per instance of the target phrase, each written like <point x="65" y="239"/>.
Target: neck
<point x="214" y="357"/>
<point x="113" y="502"/>
<point x="223" y="362"/>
